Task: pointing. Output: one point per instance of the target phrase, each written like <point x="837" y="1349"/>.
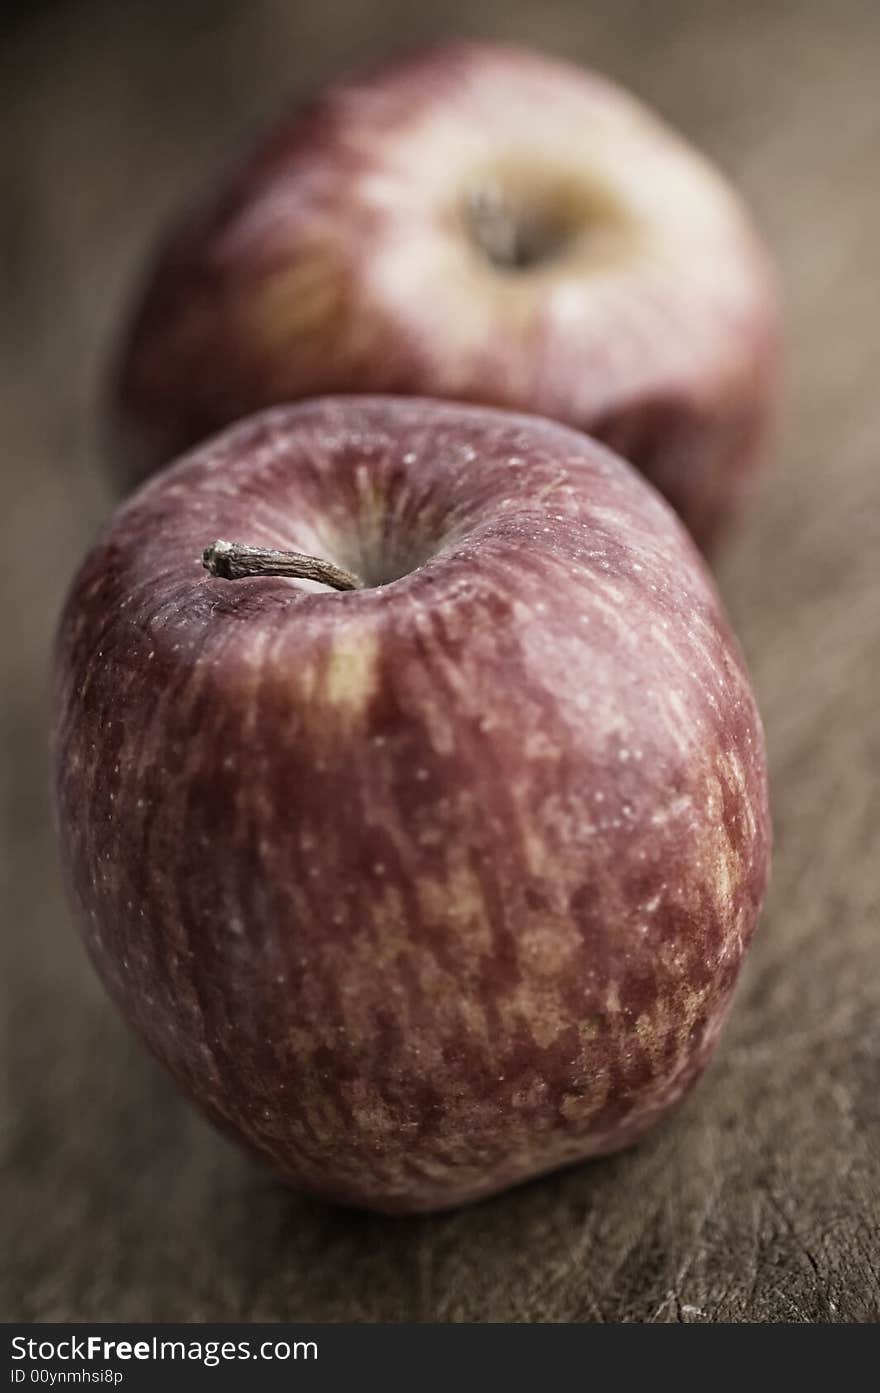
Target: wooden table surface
<point x="760" y="1199"/>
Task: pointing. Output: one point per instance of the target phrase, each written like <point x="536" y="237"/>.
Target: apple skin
<point x="422" y="889"/>
<point x="343" y="254"/>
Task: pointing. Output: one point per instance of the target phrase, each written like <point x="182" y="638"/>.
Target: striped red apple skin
<point x="426" y="888"/>
<point x="474" y="222"/>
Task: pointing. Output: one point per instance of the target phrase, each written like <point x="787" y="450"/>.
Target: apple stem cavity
<point x="498" y="232"/>
<point x="512" y="235"/>
<point x="237" y="561"/>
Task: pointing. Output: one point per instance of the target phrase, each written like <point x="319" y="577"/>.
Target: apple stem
<point x="236" y="561"/>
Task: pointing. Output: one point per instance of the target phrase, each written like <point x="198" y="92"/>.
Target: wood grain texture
<point x="760" y="1200"/>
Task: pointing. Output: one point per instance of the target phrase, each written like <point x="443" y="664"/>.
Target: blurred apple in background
<point x="473" y="222"/>
<point x="431" y="886"/>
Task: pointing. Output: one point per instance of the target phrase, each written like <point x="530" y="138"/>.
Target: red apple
<point x="473" y="222"/>
<point x="434" y="885"/>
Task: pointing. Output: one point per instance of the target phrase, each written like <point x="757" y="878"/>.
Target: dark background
<point x="760" y="1200"/>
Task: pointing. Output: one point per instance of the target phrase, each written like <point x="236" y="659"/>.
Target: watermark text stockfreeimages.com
<point x="95" y="1349"/>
